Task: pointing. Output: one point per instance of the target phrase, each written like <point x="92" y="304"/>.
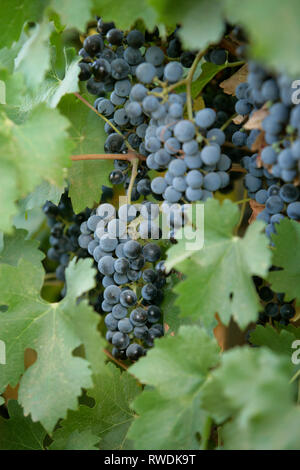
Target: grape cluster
<point x="281" y="154"/>
<point x="64" y="231"/>
<point x="193" y="173"/>
<point x="272" y="173"/>
<point x="132" y="276"/>
<point x="280" y="199"/>
<point x="275" y="308"/>
<point x="142" y="115"/>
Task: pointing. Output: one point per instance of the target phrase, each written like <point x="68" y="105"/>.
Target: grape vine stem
<point x="112" y="358"/>
<point x="189" y="80"/>
<point x="243" y="208"/>
<point x="107" y="156"/>
<point x="134" y="170"/>
<point x="83" y="100"/>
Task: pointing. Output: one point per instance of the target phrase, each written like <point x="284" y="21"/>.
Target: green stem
<point x="242" y="212"/>
<point x="243" y="200"/>
<point x="206" y="433"/>
<point x="295" y="376"/>
<point x="229" y="120"/>
<point x="189" y="79"/>
<point x="235" y="64"/>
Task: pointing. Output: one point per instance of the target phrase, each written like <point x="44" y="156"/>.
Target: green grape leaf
<point x="33" y="59"/>
<point x="125" y="13"/>
<point x="111" y="415"/>
<point x="84" y="440"/>
<point x="2" y="401"/>
<point x="219" y="274"/>
<point x="87" y="131"/>
<point x="2" y="92"/>
<point x="73" y="13"/>
<point x="33" y="151"/>
<point x="53" y="383"/>
<point x="287" y="257"/>
<point x="8" y="194"/>
<point x="251" y="387"/>
<point x="170" y="415"/>
<point x="278" y="340"/>
<point x="43" y="192"/>
<point x="69" y="84"/>
<point x="16" y="247"/>
<point x="202" y="20"/>
<point x="13" y="16"/>
<point x="19" y="432"/>
<point x="258" y="18"/>
<point x="14" y="88"/>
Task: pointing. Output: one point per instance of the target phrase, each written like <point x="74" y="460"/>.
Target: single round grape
<point x="158" y="185"/>
<point x="138" y="316"/>
<point x="205" y="118"/>
<point x="162" y="158"/>
<point x="119" y="69"/>
<point x="92" y="246"/>
<point x="173" y="72"/>
<point x="115" y="36"/>
<point x="149" y="275"/>
<point x="84" y="240"/>
<point x="108" y="243"/>
<point x="191" y="147"/>
<point x="217" y="136"/>
<point x="270" y="90"/>
<point x="289" y="193"/>
<point x="112" y="294"/>
<point x="154" y="55"/>
<point x="239" y="138"/>
<point x="184" y="131"/>
<point x="261" y="196"/>
<point x="135" y="38"/>
<point x="172" y="195"/>
<point x="154" y="314"/>
<point x="212" y="181"/>
<point x="274" y="204"/>
<point x="111" y="322"/>
<point x="293" y="210"/>
<point x="132" y="249"/>
<point x="120" y="340"/>
<point x="193" y="194"/>
<point x="149" y="291"/>
<point x="106" y="265"/>
<point x="243" y="107"/>
<point x="124" y="325"/>
<point x="116" y="99"/>
<point x="114" y="143"/>
<point x="151" y="252"/>
<point x="119" y="312"/>
<point x="210" y="154"/>
<point x="93" y="44"/>
<point x="252" y="183"/>
<point x="134" y="351"/>
<point x="107" y="281"/>
<point x="179" y="183"/>
<point x="122" y="87"/>
<point x="194" y="179"/>
<point x="133" y="56"/>
<point x="141" y="332"/>
<point x="176" y="110"/>
<point x="286" y="160"/>
<point x="106" y="307"/>
<point x="145" y="72"/>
